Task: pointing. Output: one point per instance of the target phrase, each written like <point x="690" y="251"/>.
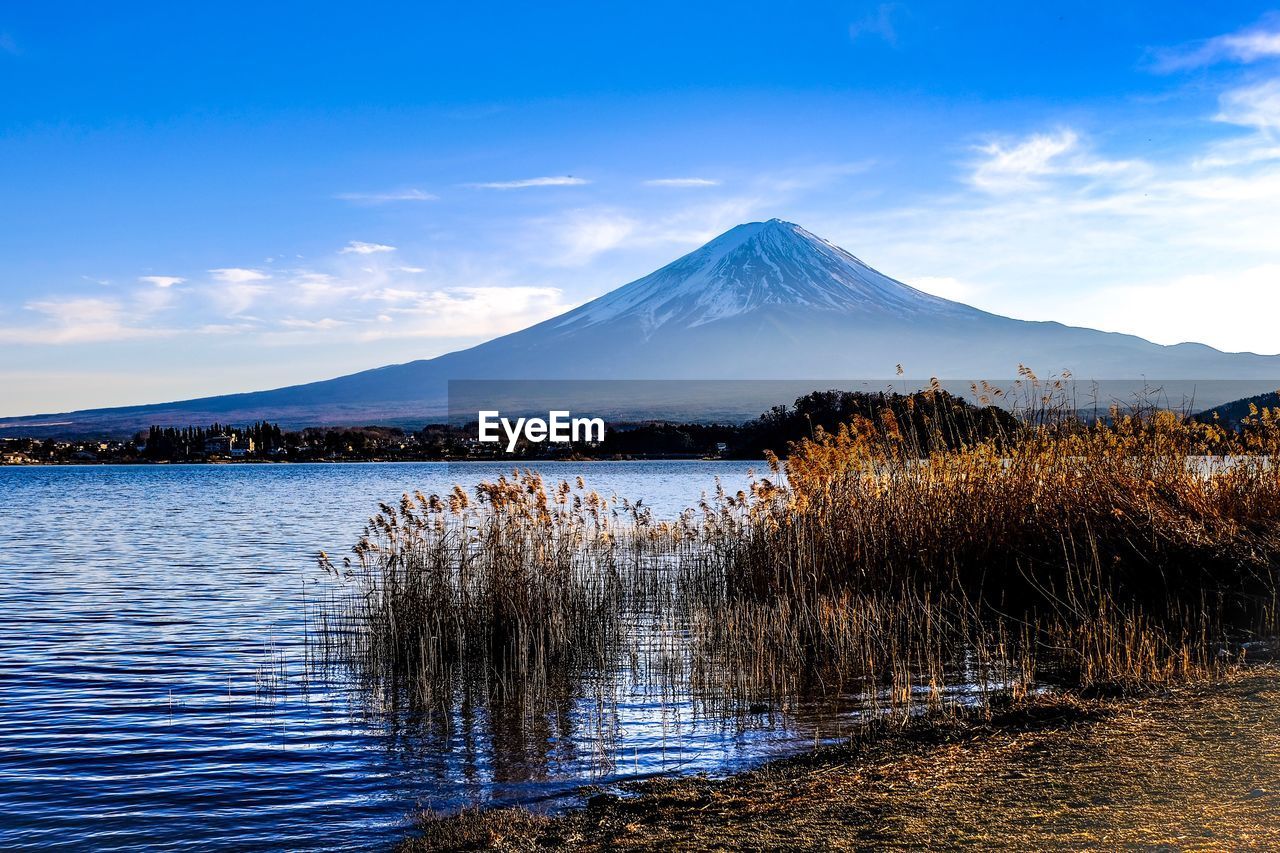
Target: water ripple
<point x="142" y="608"/>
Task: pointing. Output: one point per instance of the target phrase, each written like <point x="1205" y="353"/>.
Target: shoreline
<point x="519" y="461"/>
<point x="1192" y="767"/>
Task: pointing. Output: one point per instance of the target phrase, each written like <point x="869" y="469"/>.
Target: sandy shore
<point x="1193" y="768"/>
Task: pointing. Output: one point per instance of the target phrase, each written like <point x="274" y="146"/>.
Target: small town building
<point x="228" y="445"/>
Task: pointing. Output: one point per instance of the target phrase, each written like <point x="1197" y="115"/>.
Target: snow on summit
<point x="757" y="265"/>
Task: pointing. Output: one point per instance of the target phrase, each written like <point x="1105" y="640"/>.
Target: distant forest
<point x="923" y="417"/>
<point x="1232" y="414"/>
<point x="922" y="421"/>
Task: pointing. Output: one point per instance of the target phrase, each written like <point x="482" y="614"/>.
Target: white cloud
<point x="356" y="296"/>
<point x="583" y="234"/>
<point x="238" y="275"/>
<point x="1014" y="166"/>
<point x="579" y="237"/>
<point x="323" y="323"/>
<point x="561" y="181"/>
<point x="356" y="247"/>
<point x="151" y="300"/>
<point x="468" y="312"/>
<point x="1173" y="250"/>
<point x="681" y="182"/>
<point x="1254" y="43"/>
<point x="311" y="288"/>
<point x="226" y="328"/>
<point x="79" y="320"/>
<point x="393" y="294"/>
<point x="163" y="281"/>
<point x="1256" y="106"/>
<point x="238" y="288"/>
<point x="238" y="298"/>
<point x="390" y="196"/>
<point x="945" y="286"/>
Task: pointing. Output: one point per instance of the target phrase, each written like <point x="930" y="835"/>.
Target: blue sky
<point x="246" y="196"/>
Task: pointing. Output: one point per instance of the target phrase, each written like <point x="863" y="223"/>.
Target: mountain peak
<point x="770" y="264"/>
<point x="775" y="228"/>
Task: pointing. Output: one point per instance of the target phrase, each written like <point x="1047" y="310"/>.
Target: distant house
<point x="227" y="445"/>
<point x="219" y="445"/>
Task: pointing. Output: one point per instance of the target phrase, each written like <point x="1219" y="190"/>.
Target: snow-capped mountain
<point x="756" y="266"/>
<point x="764" y="300"/>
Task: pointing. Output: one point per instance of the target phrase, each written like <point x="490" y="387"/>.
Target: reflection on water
<point x="546" y="637"/>
<point x="157" y="691"/>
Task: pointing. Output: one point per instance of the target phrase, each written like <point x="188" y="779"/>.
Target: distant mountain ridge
<point x="764" y="300"/>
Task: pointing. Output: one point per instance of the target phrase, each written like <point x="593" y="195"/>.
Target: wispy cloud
<point x="948" y="287"/>
<point x="324" y="323"/>
<point x="1018" y="165"/>
<point x="526" y="183"/>
<point x="80" y="320"/>
<point x="466" y="312"/>
<point x="238" y="289"/>
<point x="1065" y="232"/>
<point x="681" y="182"/>
<point x="163" y="281"/>
<point x="1253" y="107"/>
<point x="237" y="275"/>
<point x="578" y="237"/>
<point x="584" y="234"/>
<point x="1256" y="106"/>
<point x="357" y="247"/>
<point x="8" y="45"/>
<point x="1251" y="44"/>
<point x="386" y="197"/>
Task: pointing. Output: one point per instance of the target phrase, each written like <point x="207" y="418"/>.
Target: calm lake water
<point x="144" y="611"/>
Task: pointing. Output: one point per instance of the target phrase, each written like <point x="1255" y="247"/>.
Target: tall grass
<point x="901" y="564"/>
<point x="513" y="586"/>
<point x="1110" y="551"/>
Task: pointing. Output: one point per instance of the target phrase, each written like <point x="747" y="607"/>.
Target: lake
<point x="155" y="692"/>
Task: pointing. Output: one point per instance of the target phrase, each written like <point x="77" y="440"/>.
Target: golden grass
<point x="1085" y="554"/>
<point x="1107" y="551"/>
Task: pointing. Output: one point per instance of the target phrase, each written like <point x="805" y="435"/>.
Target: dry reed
<point x="910" y="566"/>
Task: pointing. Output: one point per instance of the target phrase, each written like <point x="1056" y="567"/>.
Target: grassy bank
<point x="1197" y="767"/>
